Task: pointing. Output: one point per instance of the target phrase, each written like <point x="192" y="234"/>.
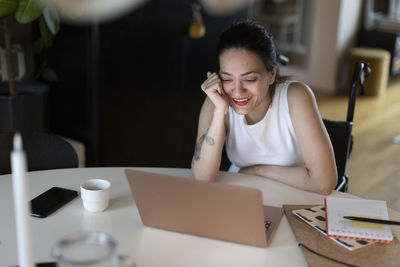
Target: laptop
<point x="213" y="210"/>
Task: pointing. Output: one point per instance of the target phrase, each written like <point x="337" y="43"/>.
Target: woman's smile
<point x="241" y="101"/>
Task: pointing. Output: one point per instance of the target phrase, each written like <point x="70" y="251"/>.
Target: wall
<point x="333" y="26"/>
<point x="130" y="88"/>
<point x="349" y="25"/>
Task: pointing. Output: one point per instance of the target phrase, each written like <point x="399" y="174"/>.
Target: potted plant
<point x="22" y="104"/>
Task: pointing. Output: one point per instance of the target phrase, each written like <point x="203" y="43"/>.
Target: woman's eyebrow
<point x="243" y="74"/>
<point x="225" y="73"/>
<point x="249" y="72"/>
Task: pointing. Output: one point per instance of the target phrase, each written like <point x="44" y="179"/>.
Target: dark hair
<point x="253" y="37"/>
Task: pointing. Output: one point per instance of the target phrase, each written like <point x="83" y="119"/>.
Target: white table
<point x="149" y="246"/>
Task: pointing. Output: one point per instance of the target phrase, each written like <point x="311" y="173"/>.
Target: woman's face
<point x="246" y="80"/>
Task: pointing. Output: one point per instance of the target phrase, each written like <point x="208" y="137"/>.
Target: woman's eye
<point x="223" y="80"/>
<point x="251" y="80"/>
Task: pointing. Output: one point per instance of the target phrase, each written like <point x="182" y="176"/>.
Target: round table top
<point x="149" y="246"/>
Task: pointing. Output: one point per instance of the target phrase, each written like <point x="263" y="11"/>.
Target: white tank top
<point x="271" y="141"/>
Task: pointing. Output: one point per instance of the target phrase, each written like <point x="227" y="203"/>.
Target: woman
<point x="272" y="127"/>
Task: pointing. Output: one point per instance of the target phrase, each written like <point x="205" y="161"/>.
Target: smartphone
<point x="51" y="200"/>
<point x="43" y="264"/>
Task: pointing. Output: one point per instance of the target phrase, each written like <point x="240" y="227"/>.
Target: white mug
<point x="95" y="194"/>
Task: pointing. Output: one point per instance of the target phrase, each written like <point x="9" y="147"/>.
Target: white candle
<point x="21" y="204"/>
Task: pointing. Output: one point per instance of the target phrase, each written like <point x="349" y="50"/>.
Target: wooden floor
<point x="374" y="165"/>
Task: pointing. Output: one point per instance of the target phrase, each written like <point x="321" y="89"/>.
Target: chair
<point x="340" y="131"/>
<point x="44" y="151"/>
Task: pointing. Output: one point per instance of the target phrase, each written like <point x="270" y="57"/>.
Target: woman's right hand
<point x="214" y="90"/>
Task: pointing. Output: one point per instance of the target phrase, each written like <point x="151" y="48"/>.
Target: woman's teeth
<point x="241" y="100"/>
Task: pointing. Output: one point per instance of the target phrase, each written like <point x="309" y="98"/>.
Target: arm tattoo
<point x="209" y="140"/>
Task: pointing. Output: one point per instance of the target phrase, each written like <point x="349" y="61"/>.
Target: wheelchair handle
<point x="361" y="70"/>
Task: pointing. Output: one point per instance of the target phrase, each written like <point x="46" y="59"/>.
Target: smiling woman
<point x="246" y="82"/>
<point x="271" y="126"/>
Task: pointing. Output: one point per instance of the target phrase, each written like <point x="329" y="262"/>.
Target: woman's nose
<point x="238" y="88"/>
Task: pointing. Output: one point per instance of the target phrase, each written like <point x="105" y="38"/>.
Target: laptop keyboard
<point x="267" y="225"/>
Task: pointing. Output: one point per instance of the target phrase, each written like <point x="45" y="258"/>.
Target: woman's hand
<point x="214" y="90"/>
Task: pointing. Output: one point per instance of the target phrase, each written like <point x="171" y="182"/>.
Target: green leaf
<point x="8" y="7"/>
<point x="28" y="11"/>
<point x="52" y="20"/>
<point x="49" y="75"/>
<point x="38" y="46"/>
<point x="47" y="36"/>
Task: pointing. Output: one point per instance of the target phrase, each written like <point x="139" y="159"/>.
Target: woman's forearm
<point x="207" y="156"/>
<point x="299" y="177"/>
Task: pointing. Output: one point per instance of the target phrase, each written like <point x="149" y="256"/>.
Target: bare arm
<point x="210" y="141"/>
<point x="211" y="130"/>
<point x="319" y="173"/>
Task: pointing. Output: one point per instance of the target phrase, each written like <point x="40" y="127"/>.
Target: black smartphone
<point x="44" y="264"/>
<point x="51" y="200"/>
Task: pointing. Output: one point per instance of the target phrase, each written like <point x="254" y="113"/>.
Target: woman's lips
<point x="241" y="101"/>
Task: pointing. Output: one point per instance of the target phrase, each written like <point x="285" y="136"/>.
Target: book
<point x="315" y="217"/>
<point x="337" y="226"/>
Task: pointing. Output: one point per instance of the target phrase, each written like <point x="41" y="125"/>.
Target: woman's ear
<point x="273" y="72"/>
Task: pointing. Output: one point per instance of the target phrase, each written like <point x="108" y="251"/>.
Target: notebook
<point x="318" y="250"/>
<point x="337" y="226"/>
<point x="315" y="217"/>
<point x="213" y="210"/>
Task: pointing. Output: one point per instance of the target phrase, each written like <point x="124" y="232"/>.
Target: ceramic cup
<point x="95" y="194"/>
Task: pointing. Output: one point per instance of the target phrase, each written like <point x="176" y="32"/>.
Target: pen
<point x="362" y="219"/>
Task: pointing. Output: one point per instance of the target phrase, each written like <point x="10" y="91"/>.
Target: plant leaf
<point x="28" y="11"/>
<point x="47" y="36"/>
<point x="8" y="7"/>
<point x="49" y="75"/>
<point x="52" y="20"/>
<point x="38" y="46"/>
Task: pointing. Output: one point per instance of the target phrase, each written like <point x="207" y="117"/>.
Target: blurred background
<point x="125" y="88"/>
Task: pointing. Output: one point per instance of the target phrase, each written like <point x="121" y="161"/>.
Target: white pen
<point x="21" y="204"/>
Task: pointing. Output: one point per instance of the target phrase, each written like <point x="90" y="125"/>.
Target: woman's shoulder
<point x="296" y="90"/>
<point x="291" y="89"/>
<point x="293" y="85"/>
<point x="299" y="92"/>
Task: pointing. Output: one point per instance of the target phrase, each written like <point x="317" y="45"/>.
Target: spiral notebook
<point x="315" y="217"/>
<point x="318" y="250"/>
<point x="337" y="226"/>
